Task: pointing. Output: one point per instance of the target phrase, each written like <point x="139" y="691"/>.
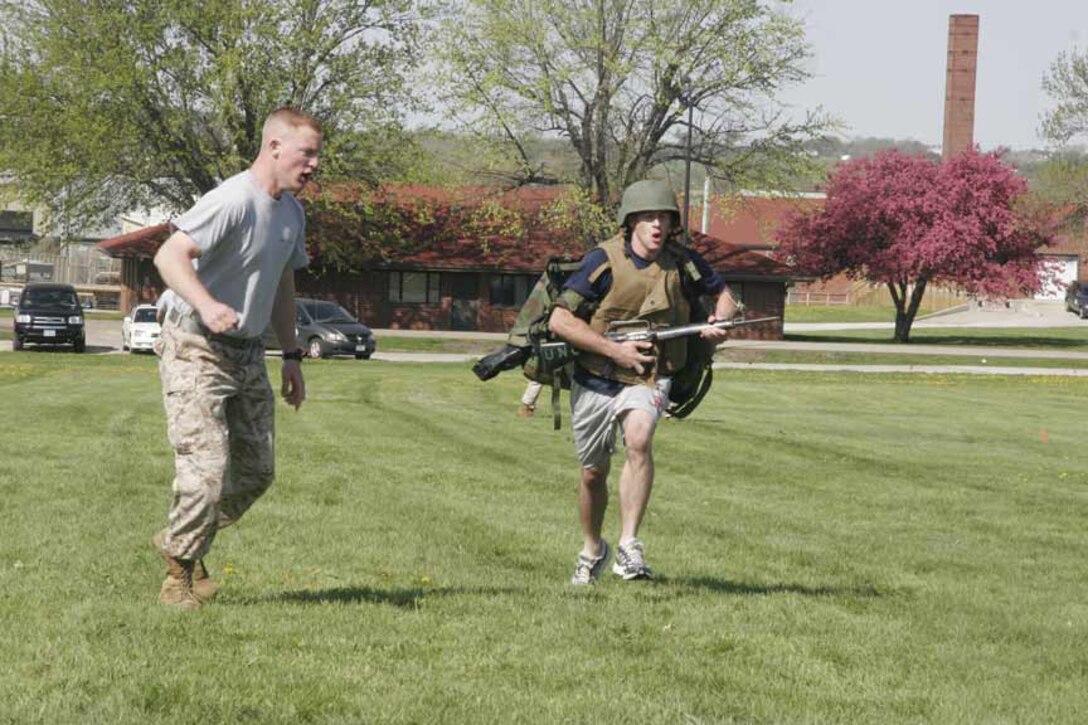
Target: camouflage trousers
<point x="220" y="418"/>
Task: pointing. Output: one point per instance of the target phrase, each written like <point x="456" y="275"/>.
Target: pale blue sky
<point x="879" y="65"/>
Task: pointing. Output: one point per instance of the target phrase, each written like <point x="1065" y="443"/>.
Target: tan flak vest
<point x="652" y="294"/>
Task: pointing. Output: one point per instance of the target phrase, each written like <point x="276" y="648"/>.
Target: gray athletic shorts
<point x="595" y="418"/>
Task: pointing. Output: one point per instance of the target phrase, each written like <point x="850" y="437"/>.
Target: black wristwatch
<point x="292" y="354"/>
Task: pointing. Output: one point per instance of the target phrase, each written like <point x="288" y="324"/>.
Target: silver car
<point x="326" y="329"/>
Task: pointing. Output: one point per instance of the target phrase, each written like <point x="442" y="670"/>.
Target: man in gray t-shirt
<point x="243" y="233"/>
<point x="230" y="268"/>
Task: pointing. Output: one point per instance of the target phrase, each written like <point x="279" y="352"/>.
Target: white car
<point x="140" y="329"/>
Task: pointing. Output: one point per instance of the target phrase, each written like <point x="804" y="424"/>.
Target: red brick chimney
<point x="959" y="90"/>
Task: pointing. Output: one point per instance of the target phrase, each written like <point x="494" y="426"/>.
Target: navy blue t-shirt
<point x="709" y="283"/>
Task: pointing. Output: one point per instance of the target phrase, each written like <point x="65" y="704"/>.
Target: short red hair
<point x="289" y="118"/>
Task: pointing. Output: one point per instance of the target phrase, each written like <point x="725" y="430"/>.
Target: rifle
<point x="559" y="352"/>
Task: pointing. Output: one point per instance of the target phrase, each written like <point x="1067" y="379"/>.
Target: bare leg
<point x="637" y="479"/>
<point x="532" y="392"/>
<point x="592" y="502"/>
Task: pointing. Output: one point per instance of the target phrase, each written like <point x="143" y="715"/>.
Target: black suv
<point x="326" y="329"/>
<point x="49" y="314"/>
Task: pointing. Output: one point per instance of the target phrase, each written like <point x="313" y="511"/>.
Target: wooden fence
<point x="865" y="294"/>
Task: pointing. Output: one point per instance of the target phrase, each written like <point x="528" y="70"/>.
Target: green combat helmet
<point x="648" y="195"/>
<point x="693" y="381"/>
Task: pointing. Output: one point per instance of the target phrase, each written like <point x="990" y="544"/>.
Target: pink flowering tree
<point x="909" y="222"/>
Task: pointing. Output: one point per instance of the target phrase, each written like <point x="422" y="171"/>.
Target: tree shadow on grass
<point x="406" y="598"/>
<point x="721" y="586"/>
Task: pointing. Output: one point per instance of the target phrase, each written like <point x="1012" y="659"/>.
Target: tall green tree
<point x="121" y="104"/>
<point x="616" y="78"/>
<point x="1063" y="180"/>
<point x="1067" y="84"/>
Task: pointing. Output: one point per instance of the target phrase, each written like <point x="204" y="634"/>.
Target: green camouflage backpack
<point x="527" y="342"/>
<point x="531" y="345"/>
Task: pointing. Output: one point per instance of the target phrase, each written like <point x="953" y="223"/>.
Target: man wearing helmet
<point x="636" y="275"/>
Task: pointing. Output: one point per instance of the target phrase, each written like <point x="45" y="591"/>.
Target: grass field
<point x="833" y="548"/>
<point x="840" y="313"/>
<point x="388" y="342"/>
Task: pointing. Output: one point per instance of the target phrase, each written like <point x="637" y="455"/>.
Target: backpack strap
<point x="684" y="262"/>
<point x="556" y="388"/>
<point x="596" y="274"/>
<point x="684" y="410"/>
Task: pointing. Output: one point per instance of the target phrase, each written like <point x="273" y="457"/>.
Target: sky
<point x="879" y="65"/>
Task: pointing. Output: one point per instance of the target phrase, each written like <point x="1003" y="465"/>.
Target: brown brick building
<point x="444" y="260"/>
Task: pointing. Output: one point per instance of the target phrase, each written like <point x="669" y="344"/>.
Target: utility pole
<point x="706" y="203"/>
<point x="685" y="98"/>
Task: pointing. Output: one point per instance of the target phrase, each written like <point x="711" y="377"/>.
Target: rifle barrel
<point x="669" y="333"/>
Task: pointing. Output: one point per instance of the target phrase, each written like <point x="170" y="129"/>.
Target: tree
<point x="1062" y="183"/>
<point x="1063" y="179"/>
<point x="1067" y="84"/>
<point x="352" y="226"/>
<point x="908" y="222"/>
<point x="615" y="78"/>
<point x="125" y="104"/>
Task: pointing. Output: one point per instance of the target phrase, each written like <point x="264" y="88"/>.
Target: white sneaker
<point x="630" y="561"/>
<point x="588" y="569"/>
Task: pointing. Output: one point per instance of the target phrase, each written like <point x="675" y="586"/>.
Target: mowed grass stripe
<point x="832" y="548"/>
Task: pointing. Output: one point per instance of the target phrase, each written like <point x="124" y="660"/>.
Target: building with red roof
<point x="751" y="220"/>
<point x="461" y="259"/>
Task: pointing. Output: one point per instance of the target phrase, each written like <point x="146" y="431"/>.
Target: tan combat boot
<point x="204" y="587"/>
<point x="178" y="589"/>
